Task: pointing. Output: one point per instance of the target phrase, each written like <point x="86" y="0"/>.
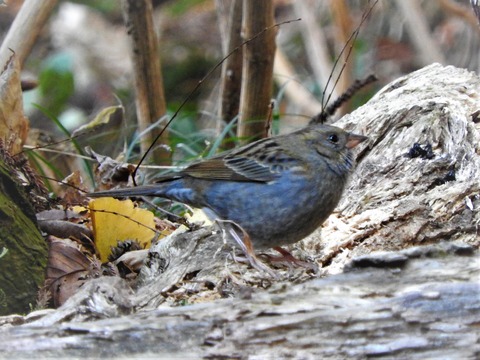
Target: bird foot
<point x="289" y="260"/>
<point x="247" y="247"/>
<point x="257" y="264"/>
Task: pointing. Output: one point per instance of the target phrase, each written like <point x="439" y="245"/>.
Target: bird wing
<point x="234" y="169"/>
<point x="259" y="161"/>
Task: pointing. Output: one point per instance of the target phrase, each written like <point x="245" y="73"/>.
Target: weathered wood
<point x="427" y="308"/>
<point x="395" y="201"/>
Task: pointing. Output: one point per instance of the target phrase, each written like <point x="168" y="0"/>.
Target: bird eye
<point x="333" y="138"/>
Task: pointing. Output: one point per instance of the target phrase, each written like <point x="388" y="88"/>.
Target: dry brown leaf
<point x="67" y="269"/>
<point x="66" y="229"/>
<point x="74" y="189"/>
<point x="14" y="124"/>
<point x="110" y="173"/>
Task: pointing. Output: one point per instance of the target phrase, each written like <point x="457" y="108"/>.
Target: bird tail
<point x="145" y="190"/>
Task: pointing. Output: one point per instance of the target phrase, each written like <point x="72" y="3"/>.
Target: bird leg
<point x="247" y="247"/>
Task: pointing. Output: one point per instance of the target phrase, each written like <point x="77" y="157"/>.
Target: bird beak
<point x="354" y="139"/>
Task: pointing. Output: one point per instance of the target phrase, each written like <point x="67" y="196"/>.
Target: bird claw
<point x="247" y="248"/>
<point x="289" y="259"/>
<point x="256" y="264"/>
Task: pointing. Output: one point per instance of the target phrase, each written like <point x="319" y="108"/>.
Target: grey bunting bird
<point x="277" y="190"/>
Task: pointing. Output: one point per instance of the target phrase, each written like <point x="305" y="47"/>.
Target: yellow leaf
<point x="199" y="217"/>
<point x="79" y="209"/>
<point x="102" y="118"/>
<point x="114" y="220"/>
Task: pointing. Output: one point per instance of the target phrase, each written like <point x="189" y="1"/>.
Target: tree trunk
<point x="150" y="98"/>
<point x="231" y="69"/>
<point x="22" y="267"/>
<point x="257" y="84"/>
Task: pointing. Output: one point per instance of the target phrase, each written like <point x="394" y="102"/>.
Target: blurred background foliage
<point x="82" y="62"/>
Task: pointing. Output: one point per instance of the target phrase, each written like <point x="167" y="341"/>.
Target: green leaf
<point x="56" y="82"/>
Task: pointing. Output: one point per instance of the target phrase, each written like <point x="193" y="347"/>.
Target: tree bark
<point x="22" y="267"/>
<point x="257" y="85"/>
<point x="150" y="98"/>
<point x="231" y="69"/>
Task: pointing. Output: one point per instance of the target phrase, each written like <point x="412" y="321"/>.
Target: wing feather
<point x="254" y="162"/>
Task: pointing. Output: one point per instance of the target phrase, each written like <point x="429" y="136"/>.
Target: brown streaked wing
<point x="251" y="162"/>
<point x="232" y="168"/>
<point x="212" y="169"/>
